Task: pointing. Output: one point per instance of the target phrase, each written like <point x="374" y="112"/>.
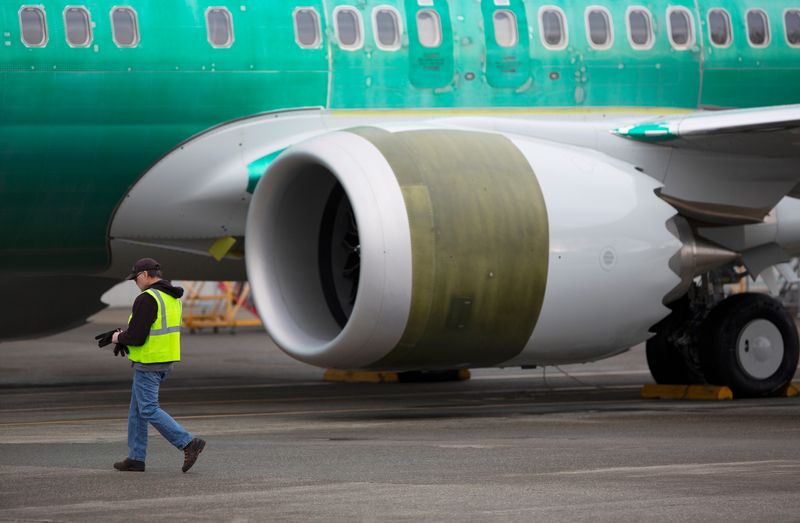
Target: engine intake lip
<point x="283" y="251"/>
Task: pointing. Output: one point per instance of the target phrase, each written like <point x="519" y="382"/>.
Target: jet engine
<point x="429" y="248"/>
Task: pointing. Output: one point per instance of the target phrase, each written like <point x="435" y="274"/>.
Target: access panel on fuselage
<point x="507" y="44"/>
<point x="430" y="43"/>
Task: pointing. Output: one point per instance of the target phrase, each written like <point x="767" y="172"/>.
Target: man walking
<point x="153" y="341"/>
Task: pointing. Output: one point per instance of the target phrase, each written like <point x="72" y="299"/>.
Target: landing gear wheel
<point x="750" y="344"/>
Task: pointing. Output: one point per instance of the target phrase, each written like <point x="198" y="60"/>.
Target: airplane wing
<point x="771" y="131"/>
<point x="727" y="167"/>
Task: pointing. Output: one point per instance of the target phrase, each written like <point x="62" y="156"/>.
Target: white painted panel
<point x="609" y="254"/>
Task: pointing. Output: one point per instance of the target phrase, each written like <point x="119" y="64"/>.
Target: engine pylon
<point x="696" y="257"/>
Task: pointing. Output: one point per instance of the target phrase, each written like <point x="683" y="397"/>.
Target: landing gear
<point x="747" y="342"/>
<point x="750" y="344"/>
<point x="672" y="353"/>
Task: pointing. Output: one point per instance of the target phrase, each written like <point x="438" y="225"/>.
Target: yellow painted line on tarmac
<point x="686" y="392"/>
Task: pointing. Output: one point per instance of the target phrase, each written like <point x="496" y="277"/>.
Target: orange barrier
<point x="222" y="308"/>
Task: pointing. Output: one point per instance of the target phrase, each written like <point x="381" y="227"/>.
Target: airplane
<point x="416" y="184"/>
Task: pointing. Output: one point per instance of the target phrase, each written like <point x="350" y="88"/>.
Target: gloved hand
<point x="105" y="338"/>
<point x="120" y="350"/>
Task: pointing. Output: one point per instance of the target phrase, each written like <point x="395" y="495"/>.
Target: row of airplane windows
<point x="387" y="27"/>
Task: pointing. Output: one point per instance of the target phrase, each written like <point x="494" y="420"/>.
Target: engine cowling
<point x="434" y="248"/>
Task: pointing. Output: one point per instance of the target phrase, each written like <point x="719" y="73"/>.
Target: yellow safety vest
<point x="163" y="344"/>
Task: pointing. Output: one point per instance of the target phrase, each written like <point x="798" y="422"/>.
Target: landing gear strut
<point x="672" y="354"/>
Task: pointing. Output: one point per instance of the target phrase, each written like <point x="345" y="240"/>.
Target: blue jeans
<point x="145" y="409"/>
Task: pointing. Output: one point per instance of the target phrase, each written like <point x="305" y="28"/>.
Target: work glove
<point x="105" y="338"/>
<point x="120" y="350"/>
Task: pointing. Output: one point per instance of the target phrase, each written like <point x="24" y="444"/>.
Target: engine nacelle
<point x="433" y="248"/>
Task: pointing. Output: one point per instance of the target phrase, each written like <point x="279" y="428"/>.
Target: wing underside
<point x="727" y="167"/>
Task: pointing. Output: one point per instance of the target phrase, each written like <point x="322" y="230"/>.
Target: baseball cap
<point x="145" y="264"/>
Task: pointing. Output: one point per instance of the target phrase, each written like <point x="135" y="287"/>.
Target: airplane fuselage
<point x="79" y="124"/>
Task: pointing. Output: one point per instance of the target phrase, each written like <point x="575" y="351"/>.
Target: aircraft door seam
<point x="699" y="41"/>
<point x="328" y="44"/>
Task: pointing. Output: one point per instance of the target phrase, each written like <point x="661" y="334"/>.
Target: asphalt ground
<point x="574" y="443"/>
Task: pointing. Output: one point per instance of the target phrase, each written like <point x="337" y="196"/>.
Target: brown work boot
<point x="191" y="451"/>
<point x="129" y="465"/>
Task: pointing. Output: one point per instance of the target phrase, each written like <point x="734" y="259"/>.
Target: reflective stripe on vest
<point x="163" y="343"/>
<point x="163" y="327"/>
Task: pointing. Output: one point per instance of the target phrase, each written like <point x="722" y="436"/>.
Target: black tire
<point x="668" y="364"/>
<point x="728" y="335"/>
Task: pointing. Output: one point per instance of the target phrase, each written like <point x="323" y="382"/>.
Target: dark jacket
<point x="145" y="310"/>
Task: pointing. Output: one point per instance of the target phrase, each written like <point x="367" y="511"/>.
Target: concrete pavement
<point x="508" y="445"/>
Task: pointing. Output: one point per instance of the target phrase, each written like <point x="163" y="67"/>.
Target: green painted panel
<point x="581" y="75"/>
<point x="57" y="194"/>
<point x="78" y="127"/>
<point x="173" y="38"/>
<point x="368" y="76"/>
<point x="768" y="75"/>
<point x="430" y="67"/>
<point x="480" y="248"/>
<point x="506" y="66"/>
<point x="648" y="132"/>
<point x="256" y="169"/>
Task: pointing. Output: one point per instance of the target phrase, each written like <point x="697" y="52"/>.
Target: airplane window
<point x="598" y="28"/>
<point x="640" y="28"/>
<point x="219" y="27"/>
<point x="505" y="28"/>
<point x="553" y="28"/>
<point x="429" y="27"/>
<point x="719" y="24"/>
<point x="757" y="28"/>
<point x="792" y="22"/>
<point x="78" y="25"/>
<point x="34" y="26"/>
<point x="681" y="33"/>
<point x="387" y="28"/>
<point x="306" y="28"/>
<point x="348" y="27"/>
<point x="125" y="28"/>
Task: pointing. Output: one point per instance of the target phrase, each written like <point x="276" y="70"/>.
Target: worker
<point x="153" y="342"/>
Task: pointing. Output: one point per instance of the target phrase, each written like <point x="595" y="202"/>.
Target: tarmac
<point x="574" y="443"/>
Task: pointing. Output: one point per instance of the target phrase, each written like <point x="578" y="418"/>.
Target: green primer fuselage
<point x="79" y="126"/>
